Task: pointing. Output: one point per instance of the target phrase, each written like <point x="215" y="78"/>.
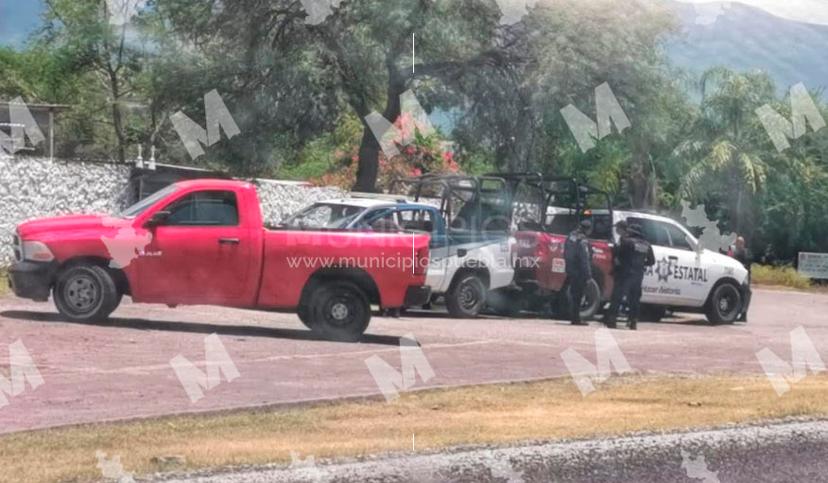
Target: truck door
<point x="201" y="254"/>
<point x="669" y="281"/>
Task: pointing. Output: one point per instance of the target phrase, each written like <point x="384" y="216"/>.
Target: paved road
<point x="793" y="452"/>
<point x="122" y="370"/>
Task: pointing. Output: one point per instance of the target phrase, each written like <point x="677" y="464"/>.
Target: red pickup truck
<point x="204" y="242"/>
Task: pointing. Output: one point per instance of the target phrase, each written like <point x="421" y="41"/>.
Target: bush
<point x="785" y="276"/>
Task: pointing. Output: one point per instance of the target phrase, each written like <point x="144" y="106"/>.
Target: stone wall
<point x="37" y="187"/>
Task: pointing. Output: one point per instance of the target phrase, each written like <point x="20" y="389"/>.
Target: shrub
<point x="785" y="276"/>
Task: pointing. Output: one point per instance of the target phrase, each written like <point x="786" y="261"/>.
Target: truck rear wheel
<point x="467" y="297"/>
<point x="339" y="311"/>
<point x="724" y="304"/>
<point x="86" y="293"/>
<point x="590" y="304"/>
<point x="505" y="302"/>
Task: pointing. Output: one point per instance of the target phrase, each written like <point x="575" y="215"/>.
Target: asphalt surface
<point x="123" y="370"/>
<point x="791" y="452"/>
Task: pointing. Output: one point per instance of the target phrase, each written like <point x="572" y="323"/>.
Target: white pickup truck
<point x="686" y="275"/>
<point x="464" y="264"/>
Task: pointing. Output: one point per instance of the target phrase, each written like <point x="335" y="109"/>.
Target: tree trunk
<point x="117" y="121"/>
<point x="369" y="148"/>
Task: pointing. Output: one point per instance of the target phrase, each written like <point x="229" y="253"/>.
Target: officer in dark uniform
<point x="634" y="255"/>
<point x="578" y="258"/>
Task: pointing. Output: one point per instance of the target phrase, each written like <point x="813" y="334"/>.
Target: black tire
<point x="339" y="311"/>
<point x="724" y="304"/>
<point x="304" y="315"/>
<point x="590" y="304"/>
<point x="504" y="302"/>
<point x="85" y="293"/>
<point x="466" y="297"/>
<point x="652" y="313"/>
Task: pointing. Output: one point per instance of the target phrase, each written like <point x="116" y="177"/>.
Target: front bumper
<point x="32" y="280"/>
<point x="417" y="295"/>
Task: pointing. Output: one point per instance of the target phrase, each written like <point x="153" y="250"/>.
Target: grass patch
<point x="442" y="418"/>
<point x="783" y="276"/>
<point x="4" y="282"/>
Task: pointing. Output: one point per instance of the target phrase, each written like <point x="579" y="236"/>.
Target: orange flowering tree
<point x="418" y="154"/>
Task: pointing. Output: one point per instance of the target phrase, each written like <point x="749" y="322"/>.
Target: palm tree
<point x="726" y="151"/>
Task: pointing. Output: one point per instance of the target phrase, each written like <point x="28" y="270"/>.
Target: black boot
<point x="610" y="322"/>
<point x="632" y="324"/>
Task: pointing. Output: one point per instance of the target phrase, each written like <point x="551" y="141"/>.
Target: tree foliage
<point x="300" y="85"/>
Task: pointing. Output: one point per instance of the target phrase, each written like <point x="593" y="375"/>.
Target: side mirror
<point x="158" y="218"/>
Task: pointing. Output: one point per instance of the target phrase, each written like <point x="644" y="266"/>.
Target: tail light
<point x="421" y="262"/>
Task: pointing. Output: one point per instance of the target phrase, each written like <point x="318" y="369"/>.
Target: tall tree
<point x="727" y="149"/>
<point x="311" y="67"/>
<point x="89" y="34"/>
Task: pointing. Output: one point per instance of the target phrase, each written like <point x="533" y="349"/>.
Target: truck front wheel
<point x="85" y="293"/>
<point x="339" y="311"/>
<point x="724" y="304"/>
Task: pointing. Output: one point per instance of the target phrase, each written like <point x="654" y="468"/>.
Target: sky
<point x="18" y="18"/>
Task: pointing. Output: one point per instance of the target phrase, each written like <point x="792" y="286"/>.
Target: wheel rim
<point x="728" y="303"/>
<point x="469" y="296"/>
<point x="82" y="293"/>
<point x="341" y="310"/>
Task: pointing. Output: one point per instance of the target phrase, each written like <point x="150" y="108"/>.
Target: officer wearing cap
<point x="634" y="254"/>
<point x="578" y="258"/>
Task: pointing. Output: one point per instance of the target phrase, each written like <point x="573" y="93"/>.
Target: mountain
<point x="744" y="38"/>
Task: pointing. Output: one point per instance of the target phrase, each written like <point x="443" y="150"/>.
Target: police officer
<point x="578" y="258"/>
<point x="634" y="254"/>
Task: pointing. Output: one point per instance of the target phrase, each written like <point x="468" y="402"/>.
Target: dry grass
<point x="784" y="276"/>
<point x="4" y="282"/>
<point x="545" y="410"/>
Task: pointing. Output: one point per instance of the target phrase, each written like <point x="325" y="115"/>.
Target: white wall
<point x="37" y="187"/>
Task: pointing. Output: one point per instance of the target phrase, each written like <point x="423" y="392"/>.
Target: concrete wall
<point x="37" y="187"/>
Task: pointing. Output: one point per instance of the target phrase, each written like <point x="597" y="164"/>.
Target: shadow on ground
<point x="194" y="327"/>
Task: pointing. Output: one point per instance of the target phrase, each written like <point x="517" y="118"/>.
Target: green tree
<point x="727" y="152"/>
<point x="101" y="54"/>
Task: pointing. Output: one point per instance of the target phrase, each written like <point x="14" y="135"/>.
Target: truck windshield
<point x="323" y="216"/>
<point x="150" y="200"/>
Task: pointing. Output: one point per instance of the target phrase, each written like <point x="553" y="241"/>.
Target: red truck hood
<point x="33" y="228"/>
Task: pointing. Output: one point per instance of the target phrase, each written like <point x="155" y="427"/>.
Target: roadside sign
<point x="813" y="265"/>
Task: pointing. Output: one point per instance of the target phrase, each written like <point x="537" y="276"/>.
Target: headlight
<point x="37" y="252"/>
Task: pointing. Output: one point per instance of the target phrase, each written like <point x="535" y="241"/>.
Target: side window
<point x="204" y="208"/>
<point x="416" y="220"/>
<point x="653" y="231"/>
<point x="678" y="237"/>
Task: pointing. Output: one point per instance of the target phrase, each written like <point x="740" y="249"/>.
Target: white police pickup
<point x="686" y="275"/>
